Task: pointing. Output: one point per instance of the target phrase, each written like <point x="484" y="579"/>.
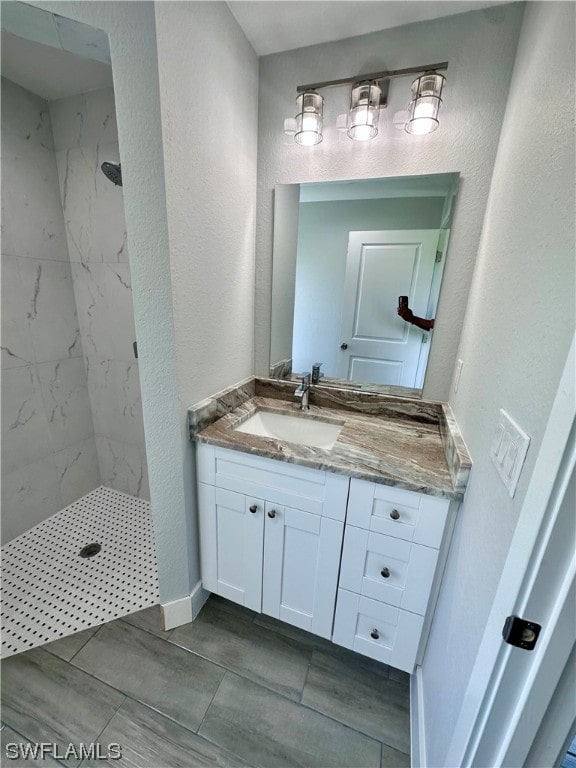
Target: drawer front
<point x="390" y="570"/>
<point x="290" y="485"/>
<point x="377" y="630"/>
<point x="396" y="512"/>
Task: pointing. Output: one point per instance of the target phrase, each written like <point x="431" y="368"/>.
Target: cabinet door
<point x="231" y="538"/>
<point x="301" y="562"/>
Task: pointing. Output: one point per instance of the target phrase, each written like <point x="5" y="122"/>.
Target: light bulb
<point x="424" y="110"/>
<point x="364" y="111"/>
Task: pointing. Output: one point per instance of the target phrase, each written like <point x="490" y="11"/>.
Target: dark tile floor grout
<point x="222" y="666"/>
<point x="273" y="690"/>
<point x="299" y="647"/>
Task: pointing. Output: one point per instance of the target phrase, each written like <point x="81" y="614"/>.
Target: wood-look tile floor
<point x="233" y="688"/>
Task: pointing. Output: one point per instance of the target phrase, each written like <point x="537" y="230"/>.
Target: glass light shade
<point x="364" y="111"/>
<point x="309" y="119"/>
<point x="290" y="126"/>
<point x="425" y="104"/>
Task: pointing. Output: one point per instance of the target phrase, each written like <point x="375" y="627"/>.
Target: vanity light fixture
<point x="369" y="94"/>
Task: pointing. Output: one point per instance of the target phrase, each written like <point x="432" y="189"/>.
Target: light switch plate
<point x="508" y="450"/>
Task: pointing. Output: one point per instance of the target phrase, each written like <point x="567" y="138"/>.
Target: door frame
<point x="496" y="682"/>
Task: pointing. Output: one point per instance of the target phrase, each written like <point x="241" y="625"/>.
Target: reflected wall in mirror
<point x="344" y="252"/>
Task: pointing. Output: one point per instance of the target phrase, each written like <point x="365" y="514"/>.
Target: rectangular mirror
<point x="343" y="254"/>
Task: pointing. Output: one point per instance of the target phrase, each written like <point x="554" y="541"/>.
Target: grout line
<point x="297" y="702"/>
<point x="113" y="716"/>
<point x="211" y="701"/>
<point x="87" y="641"/>
<point x="306" y="678"/>
<point x="244" y="676"/>
<point x="97" y="738"/>
<point x="184" y="727"/>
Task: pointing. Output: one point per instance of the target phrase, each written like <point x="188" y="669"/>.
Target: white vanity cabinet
<point x="395" y="547"/>
<point x="271" y="535"/>
<point x="353" y="561"/>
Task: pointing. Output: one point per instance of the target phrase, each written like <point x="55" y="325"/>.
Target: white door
<point x="376" y="344"/>
<point x="232" y="528"/>
<point x="301" y="561"/>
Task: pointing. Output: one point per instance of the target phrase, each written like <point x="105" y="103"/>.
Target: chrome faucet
<point x="303" y="392"/>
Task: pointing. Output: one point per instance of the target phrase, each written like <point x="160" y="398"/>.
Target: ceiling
<point x="286" y="24"/>
<point x="51" y="73"/>
<point x="270" y="26"/>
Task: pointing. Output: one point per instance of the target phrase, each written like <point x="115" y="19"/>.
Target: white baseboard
<point x="185" y="609"/>
<point x="417" y="732"/>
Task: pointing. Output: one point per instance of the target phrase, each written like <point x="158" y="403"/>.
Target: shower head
<point x="112" y="171"/>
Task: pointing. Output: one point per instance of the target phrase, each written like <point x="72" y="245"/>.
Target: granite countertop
<point x="398" y="441"/>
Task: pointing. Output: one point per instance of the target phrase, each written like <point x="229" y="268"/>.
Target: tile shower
<point x="71" y="406"/>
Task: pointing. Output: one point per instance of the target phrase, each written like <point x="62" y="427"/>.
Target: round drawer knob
<point x="375" y="635"/>
<point x="385" y="573"/>
<point x="344" y="346"/>
<point x="272" y="513"/>
<point x="395" y="515"/>
<point x="253" y="509"/>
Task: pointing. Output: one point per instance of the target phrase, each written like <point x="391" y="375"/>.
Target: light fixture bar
<point x="374" y="76"/>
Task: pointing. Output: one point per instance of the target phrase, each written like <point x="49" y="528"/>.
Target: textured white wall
<point x="480" y="48"/>
<point x="209" y="86"/>
<point x="517" y="331"/>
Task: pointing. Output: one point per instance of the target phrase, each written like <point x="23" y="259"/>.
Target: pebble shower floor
<point x="50" y="591"/>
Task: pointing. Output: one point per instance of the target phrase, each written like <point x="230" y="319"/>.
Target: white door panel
<point x="301" y="560"/>
<point x="231" y="545"/>
<point x="380" y="346"/>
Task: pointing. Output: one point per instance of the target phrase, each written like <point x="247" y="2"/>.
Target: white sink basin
<point x="292" y="429"/>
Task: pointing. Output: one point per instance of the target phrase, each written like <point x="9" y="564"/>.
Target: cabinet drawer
<point x="290" y="485"/>
<point x="390" y="570"/>
<point x="396" y="512"/>
<point x="375" y="629"/>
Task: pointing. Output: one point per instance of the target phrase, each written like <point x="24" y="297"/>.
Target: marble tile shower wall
<point x="85" y="135"/>
<point x="49" y="456"/>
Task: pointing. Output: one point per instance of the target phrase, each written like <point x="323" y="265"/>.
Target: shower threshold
<point x="56" y="582"/>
